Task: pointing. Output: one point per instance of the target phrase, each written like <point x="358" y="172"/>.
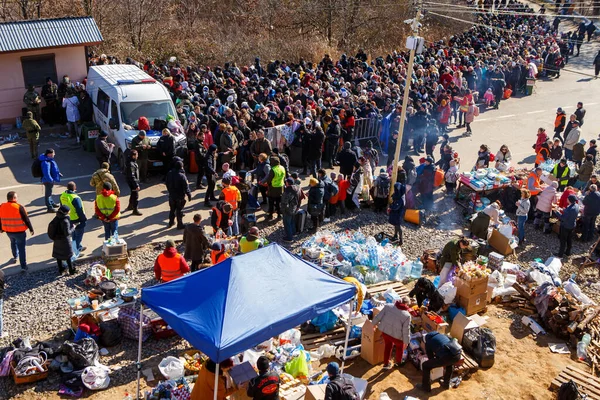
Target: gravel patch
<point x="35" y="304"/>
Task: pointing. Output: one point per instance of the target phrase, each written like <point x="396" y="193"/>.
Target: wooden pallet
<point x="469" y="366"/>
<point x="335" y="337"/>
<point x="383" y="286"/>
<point x="586" y="382"/>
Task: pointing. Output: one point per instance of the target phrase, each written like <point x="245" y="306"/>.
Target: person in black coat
<point x="316" y="150"/>
<point x="424" y="289"/>
<point x="86" y="107"/>
<point x="103" y="148"/>
<point x="396" y="211"/>
<point x="166" y="150"/>
<point x="210" y="165"/>
<point x="195" y="242"/>
<point x="179" y="188"/>
<point x="60" y="231"/>
<point x="347" y="159"/>
<point x="333" y="135"/>
<point x="305" y="137"/>
<point x="132" y="175"/>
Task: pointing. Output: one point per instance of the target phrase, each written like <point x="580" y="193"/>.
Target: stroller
<point x="249" y="214"/>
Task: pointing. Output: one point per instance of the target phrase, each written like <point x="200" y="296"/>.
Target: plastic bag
<point x="171" y="368"/>
<point x="506" y="230"/>
<point x="298" y="366"/>
<point x="572" y="288"/>
<point x="291" y="336"/>
<point x="83" y="353"/>
<point x="448" y="292"/>
<point x="95" y="378"/>
<point x="111" y="333"/>
<point x="324" y="351"/>
<point x="129" y="320"/>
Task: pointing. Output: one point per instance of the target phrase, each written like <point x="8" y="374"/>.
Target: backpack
<point x="53" y="228"/>
<point x="569" y="391"/>
<point x="289" y="203"/>
<point x="383" y="188"/>
<point x="347" y="389"/>
<point x="36" y="168"/>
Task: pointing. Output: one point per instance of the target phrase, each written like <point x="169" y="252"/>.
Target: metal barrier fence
<point x="368" y="129"/>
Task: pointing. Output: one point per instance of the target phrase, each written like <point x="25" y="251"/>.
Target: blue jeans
<point x="521" y="225"/>
<point x="78" y="235"/>
<point x="48" y="194"/>
<point x="110" y="228"/>
<point x="289" y="226"/>
<point x="17" y="245"/>
<point x="568" y="154"/>
<point x="236" y="226"/>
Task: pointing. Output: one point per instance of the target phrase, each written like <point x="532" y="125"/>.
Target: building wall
<point x="69" y="61"/>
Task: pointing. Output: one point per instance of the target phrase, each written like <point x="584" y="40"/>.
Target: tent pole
<point x="139" y="360"/>
<point x="348" y="329"/>
<point x="216" y="381"/>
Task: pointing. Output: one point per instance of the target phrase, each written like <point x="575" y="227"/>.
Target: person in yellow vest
<point x="232" y="195"/>
<point x="562" y="173"/>
<point x="274" y="181"/>
<point x="252" y="241"/>
<point x="170" y="264"/>
<point x="108" y="210"/>
<point x="76" y="214"/>
<point x="15" y="222"/>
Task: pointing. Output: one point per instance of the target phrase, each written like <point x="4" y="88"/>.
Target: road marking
<point x="506" y="116"/>
<point x="567" y="107"/>
<point x="38" y="183"/>
<point x="536" y="112"/>
<point x="590" y="104"/>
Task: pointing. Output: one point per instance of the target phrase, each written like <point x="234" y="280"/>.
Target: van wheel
<point x="121" y="159"/>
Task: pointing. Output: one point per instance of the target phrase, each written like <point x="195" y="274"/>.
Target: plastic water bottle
<point x="116" y="237"/>
<point x="127" y="396"/>
<point x="417" y="269"/>
<point x="436" y="281"/>
<point x="403" y="270"/>
<point x="582" y="347"/>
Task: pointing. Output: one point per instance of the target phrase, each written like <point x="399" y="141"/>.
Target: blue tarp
<point x="245" y="300"/>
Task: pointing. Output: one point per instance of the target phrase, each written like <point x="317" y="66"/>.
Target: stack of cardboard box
<point x="471" y="294"/>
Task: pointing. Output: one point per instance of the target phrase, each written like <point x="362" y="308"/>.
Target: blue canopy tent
<point x="245" y="300"/>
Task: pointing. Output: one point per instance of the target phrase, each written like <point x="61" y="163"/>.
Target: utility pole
<point x="413" y="42"/>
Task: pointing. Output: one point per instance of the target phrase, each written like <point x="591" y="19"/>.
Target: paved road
<point x="514" y="124"/>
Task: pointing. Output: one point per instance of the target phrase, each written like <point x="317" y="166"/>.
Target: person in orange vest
<point x="221" y="217"/>
<point x="543" y="153"/>
<point x="170" y="264"/>
<point x="533" y="181"/>
<point x="232" y="195"/>
<point x="217" y="253"/>
<point x="15" y="222"/>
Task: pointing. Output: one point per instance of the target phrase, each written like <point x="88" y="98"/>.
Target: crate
<point x="115" y="262"/>
<point x="38" y="376"/>
<point x="116" y="249"/>
<point x="160" y="333"/>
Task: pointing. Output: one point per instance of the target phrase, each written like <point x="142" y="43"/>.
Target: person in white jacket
<point x="543" y="208"/>
<point x="571" y="138"/>
<point x="394" y="323"/>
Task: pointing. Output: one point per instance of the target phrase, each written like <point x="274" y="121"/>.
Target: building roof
<point x="48" y="33"/>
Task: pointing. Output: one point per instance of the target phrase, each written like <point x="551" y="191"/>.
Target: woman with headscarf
<point x="396" y="211"/>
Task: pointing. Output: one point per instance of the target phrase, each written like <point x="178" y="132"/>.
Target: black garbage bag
<point x="569" y="391"/>
<point x="111" y="333"/>
<point x="83" y="353"/>
<point x="485" y="348"/>
<point x="470" y="339"/>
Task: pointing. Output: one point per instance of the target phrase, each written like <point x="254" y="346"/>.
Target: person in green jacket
<point x="32" y="129"/>
<point x="451" y="256"/>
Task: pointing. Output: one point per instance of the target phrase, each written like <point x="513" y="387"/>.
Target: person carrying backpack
<point x="339" y="387"/>
<point x="331" y="189"/>
<point x="381" y="190"/>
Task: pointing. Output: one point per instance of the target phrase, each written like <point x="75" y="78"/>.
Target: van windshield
<point x="132" y="111"/>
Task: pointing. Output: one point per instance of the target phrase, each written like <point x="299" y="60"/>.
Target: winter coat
<point x="425" y="180"/>
<point x="541" y="139"/>
<point x="483" y="159"/>
<point x="556" y="152"/>
<point x="166" y="144"/>
<point x="102" y="175"/>
<point x="102" y="150"/>
<point x="586" y="171"/>
<point x="397" y="206"/>
<point x="480" y="225"/>
<point x="394" y="321"/>
<point x="177" y="185"/>
<point x="50" y="171"/>
<point x="195" y="242"/>
<point x="261" y="146"/>
<point x="62" y="248"/>
<point x="290" y="200"/>
<point x="471" y="114"/>
<point x="132" y="174"/>
<point x="226" y="142"/>
<point x="578" y="152"/>
<point x="546" y="199"/>
<point x="316" y="145"/>
<point x="316" y="193"/>
<point x="572" y="137"/>
<point x="591" y="204"/>
<point x="347" y="159"/>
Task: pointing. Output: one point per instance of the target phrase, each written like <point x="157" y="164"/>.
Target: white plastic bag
<point x="95" y="378"/>
<point x="539" y="277"/>
<point x="572" y="288"/>
<point x="554" y="264"/>
<point x="448" y="292"/>
<point x="506" y="230"/>
<point x="290" y="336"/>
<point x="171" y="368"/>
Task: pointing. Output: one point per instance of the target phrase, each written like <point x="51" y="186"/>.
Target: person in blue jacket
<point x="50" y="175"/>
<point x="568" y="221"/>
<point x="440" y="353"/>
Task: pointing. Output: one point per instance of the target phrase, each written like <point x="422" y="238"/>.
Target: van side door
<point x="114" y="121"/>
<point x="101" y="110"/>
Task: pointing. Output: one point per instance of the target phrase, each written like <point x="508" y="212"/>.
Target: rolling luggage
<point x="300" y="219"/>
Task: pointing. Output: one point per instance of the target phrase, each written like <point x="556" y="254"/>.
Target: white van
<point x="121" y="95"/>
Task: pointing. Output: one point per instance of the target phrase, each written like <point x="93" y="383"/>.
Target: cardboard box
<point x="242" y="373"/>
<point x="432" y="326"/>
<point x="472" y="304"/>
<point x="371" y="344"/>
<point x="468" y="288"/>
<point x="462" y="323"/>
<point x="436" y="373"/>
<point x="500" y="243"/>
<point x="490" y="292"/>
<point x="315" y="392"/>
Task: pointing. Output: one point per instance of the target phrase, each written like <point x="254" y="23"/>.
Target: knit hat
<point x="64" y="209"/>
<point x="572" y="199"/>
<point x="170" y="243"/>
<point x="106" y="186"/>
<point x="313" y="182"/>
<point x="216" y="246"/>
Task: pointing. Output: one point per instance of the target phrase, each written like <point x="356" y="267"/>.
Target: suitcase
<point x="300" y="219"/>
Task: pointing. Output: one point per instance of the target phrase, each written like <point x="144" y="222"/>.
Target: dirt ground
<point x="523" y="369"/>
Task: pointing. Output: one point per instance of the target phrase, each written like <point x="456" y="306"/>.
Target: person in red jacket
<point x="170" y="264"/>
